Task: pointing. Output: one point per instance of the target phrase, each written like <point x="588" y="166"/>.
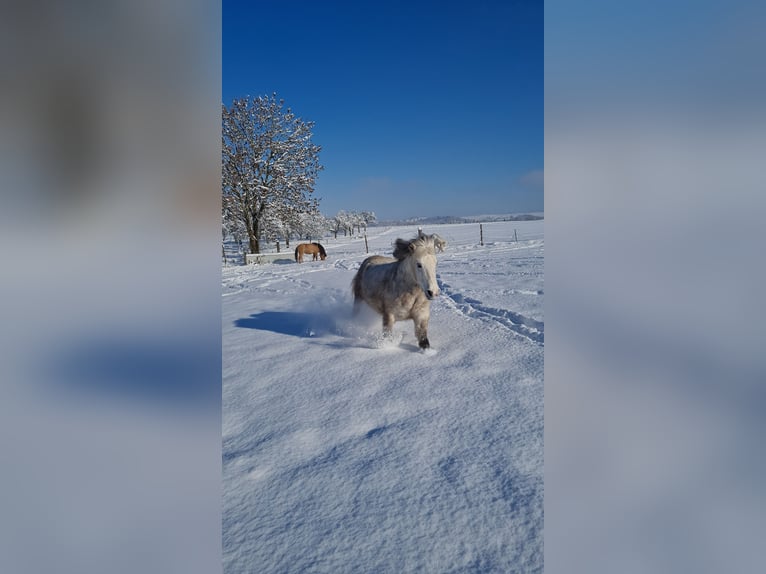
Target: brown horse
<point x="310" y="249"/>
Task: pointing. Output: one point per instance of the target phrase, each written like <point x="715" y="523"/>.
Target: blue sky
<point x="421" y="108"/>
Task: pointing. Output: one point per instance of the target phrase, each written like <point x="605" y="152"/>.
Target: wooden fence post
<point x="514" y="236"/>
<point x="481" y="233"/>
<point x="366" y="249"/>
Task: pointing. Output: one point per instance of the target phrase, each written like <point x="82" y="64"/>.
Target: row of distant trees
<point x="309" y="226"/>
<point x="269" y="167"/>
<point x="347" y="221"/>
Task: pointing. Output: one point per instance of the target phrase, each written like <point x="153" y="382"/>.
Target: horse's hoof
<point x="424" y="344"/>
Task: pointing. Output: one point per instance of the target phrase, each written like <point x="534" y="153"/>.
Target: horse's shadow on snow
<point x="292" y="323"/>
<point x="316" y="324"/>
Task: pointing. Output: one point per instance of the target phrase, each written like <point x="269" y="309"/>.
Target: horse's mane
<point x="404" y="248"/>
<point x="321" y="249"/>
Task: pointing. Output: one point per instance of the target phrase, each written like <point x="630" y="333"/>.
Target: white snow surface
<point x="342" y="453"/>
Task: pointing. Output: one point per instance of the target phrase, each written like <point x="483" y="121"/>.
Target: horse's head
<point x="421" y="255"/>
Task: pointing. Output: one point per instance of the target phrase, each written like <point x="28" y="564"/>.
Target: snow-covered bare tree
<point x="272" y="227"/>
<point x="232" y="227"/>
<point x="359" y="221"/>
<point x="340" y="223"/>
<point x="313" y="225"/>
<point x="295" y="221"/>
<point x="286" y="220"/>
<point x="368" y="217"/>
<point x="349" y="223"/>
<point x="269" y="163"/>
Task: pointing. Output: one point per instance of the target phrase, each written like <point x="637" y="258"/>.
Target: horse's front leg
<point x="421" y="331"/>
<point x="388" y="325"/>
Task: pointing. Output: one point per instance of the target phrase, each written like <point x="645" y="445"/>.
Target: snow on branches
<point x="269" y="167"/>
<point x="347" y="221"/>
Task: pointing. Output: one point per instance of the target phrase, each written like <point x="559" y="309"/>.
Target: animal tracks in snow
<point x="346" y="265"/>
<point x="515" y="322"/>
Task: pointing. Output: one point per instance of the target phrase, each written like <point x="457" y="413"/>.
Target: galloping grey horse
<point x="401" y="287"/>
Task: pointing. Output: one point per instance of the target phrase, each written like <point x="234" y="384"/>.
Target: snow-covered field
<point x="342" y="453"/>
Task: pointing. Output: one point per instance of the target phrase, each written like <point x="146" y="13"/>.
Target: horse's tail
<point x="356" y="282"/>
<point x="296" y="253"/>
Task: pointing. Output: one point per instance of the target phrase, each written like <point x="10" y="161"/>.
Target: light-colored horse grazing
<point x="401" y="287"/>
<point x="310" y="249"/>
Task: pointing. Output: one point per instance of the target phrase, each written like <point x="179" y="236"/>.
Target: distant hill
<point x="442" y="219"/>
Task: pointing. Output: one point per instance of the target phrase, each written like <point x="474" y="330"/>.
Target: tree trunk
<point x="252" y="238"/>
<point x="254" y="231"/>
<point x="254" y="244"/>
